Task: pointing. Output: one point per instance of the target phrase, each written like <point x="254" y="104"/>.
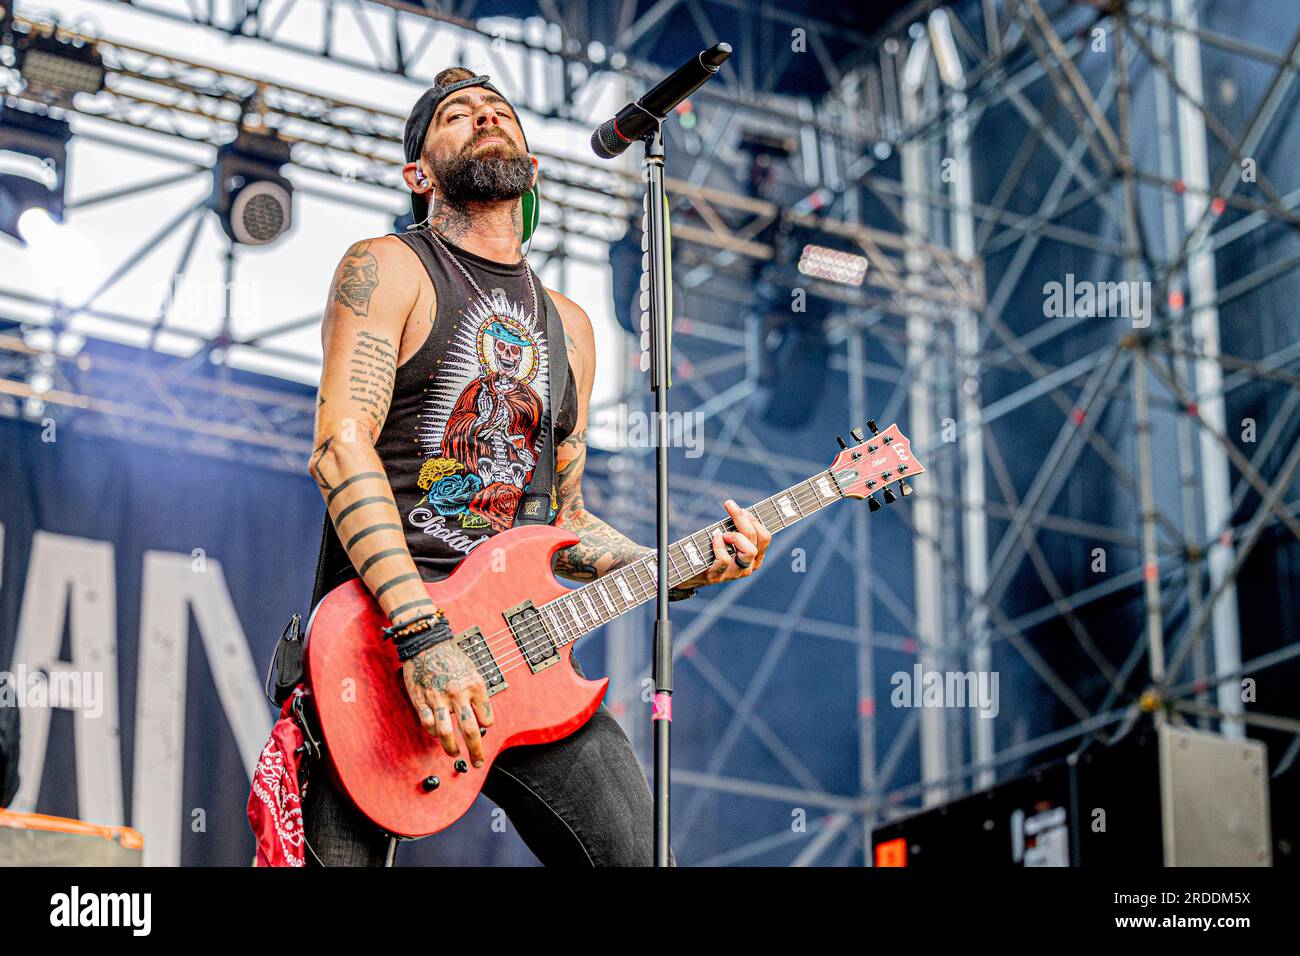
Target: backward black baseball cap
<point x="417" y="126"/>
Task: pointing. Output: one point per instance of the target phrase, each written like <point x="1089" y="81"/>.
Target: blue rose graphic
<point x="452" y="494"/>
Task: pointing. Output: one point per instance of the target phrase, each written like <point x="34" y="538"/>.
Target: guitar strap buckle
<point x="315" y="747"/>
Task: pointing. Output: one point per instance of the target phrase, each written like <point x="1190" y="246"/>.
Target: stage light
<point x="822" y="262"/>
<point x="33" y="158"/>
<point x="36" y="225"/>
<point x="254" y="201"/>
<point x="62" y="261"/>
<point x="57" y="65"/>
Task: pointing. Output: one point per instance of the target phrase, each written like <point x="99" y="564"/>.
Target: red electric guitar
<point x="518" y="625"/>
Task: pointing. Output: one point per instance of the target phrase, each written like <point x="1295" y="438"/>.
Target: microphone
<point x="633" y="121"/>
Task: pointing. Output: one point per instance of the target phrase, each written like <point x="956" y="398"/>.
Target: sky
<point x="289" y="279"/>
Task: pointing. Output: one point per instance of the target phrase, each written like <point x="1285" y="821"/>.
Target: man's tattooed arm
<point x="370" y="301"/>
<point x="601" y="549"/>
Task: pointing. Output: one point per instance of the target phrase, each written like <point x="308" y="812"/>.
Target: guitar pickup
<point x="476" y="649"/>
<point x="529" y="630"/>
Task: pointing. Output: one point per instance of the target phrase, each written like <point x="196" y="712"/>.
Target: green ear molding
<point x="529" y="201"/>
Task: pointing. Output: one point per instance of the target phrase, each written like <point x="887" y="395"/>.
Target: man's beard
<point x="470" y="178"/>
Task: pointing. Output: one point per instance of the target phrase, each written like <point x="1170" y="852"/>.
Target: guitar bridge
<point x="529" y="630"/>
<point x="476" y="649"/>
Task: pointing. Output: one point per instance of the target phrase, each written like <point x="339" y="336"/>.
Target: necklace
<point x="528" y="270"/>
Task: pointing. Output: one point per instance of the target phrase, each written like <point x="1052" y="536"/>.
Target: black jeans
<point x="582" y="800"/>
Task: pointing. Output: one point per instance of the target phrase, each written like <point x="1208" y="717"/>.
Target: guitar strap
<point x="535" y="505"/>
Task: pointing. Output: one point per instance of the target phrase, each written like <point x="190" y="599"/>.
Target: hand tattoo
<point x="441" y="666"/>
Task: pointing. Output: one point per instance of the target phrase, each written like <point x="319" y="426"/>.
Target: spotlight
<point x="57" y="64"/>
<point x="833" y="265"/>
<point x="33" y="160"/>
<point x="254" y="201"/>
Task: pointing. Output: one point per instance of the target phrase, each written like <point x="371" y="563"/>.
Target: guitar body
<point x="379" y="753"/>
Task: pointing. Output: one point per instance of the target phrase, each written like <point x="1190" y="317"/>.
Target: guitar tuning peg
<point x="889" y="495"/>
<point x="873" y="504"/>
<point x="856" y="433"/>
<point x="905" y="488"/>
<point x="841" y="441"/>
<point x="871" y="423"/>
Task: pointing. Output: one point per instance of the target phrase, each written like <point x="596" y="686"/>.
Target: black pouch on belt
<point x="285" y="672"/>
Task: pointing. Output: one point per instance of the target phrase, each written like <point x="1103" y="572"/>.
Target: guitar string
<point x="527" y="643"/>
<point x="524" y="642"/>
<point x="504" y="638"/>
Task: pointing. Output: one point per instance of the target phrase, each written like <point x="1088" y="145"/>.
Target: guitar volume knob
<point x="430" y="784"/>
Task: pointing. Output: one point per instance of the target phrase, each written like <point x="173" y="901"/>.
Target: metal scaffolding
<point x="892" y="140"/>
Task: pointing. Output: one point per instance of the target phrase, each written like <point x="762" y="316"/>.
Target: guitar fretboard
<point x="584" y="609"/>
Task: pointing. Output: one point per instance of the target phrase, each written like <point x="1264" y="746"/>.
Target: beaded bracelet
<point x="401" y="630"/>
<point x="423" y="639"/>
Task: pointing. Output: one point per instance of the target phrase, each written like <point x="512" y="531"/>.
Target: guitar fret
<point x="566" y="630"/>
<point x="548" y="615"/>
<point x="693" y="557"/>
<point x="575" y="601"/>
<point x="586" y="599"/>
<point x="565" y="606"/>
<point x="601" y="589"/>
<point x="674" y="572"/>
<point x="576" y="611"/>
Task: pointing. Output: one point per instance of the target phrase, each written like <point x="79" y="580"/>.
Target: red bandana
<point x="275" y="803"/>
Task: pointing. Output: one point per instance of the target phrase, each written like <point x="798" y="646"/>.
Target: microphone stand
<point x="661" y="714"/>
<point x="643" y="120"/>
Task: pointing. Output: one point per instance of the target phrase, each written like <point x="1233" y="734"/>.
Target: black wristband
<point x="417" y="643"/>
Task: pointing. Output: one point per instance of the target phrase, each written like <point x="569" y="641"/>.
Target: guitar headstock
<point x="875" y="463"/>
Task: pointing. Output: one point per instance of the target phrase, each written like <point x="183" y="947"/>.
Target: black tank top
<point x="460" y="442"/>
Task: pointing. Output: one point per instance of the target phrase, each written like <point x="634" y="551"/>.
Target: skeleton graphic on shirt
<point x="482" y="420"/>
